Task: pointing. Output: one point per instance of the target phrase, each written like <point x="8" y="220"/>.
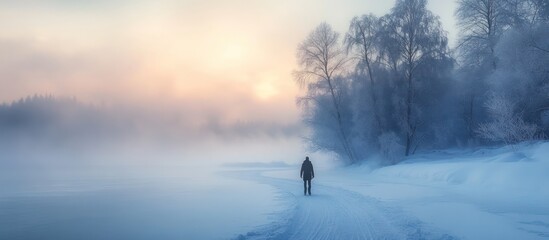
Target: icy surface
<point x="498" y="193"/>
<point x="191" y="205"/>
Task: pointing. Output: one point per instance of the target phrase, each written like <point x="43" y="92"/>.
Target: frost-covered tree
<point x="319" y="114"/>
<point x="403" y="90"/>
<point x="322" y="61"/>
<point x="362" y="40"/>
<point x="481" y="23"/>
<point x="413" y="37"/>
<point x="523" y="77"/>
<point x="527" y="12"/>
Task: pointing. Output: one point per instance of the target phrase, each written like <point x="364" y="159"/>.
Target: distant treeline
<point x="57" y="120"/>
<point x="392" y="86"/>
<point x="51" y="120"/>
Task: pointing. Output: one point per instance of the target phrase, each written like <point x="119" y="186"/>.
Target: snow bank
<point x="512" y="172"/>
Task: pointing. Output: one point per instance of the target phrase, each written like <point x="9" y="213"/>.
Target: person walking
<point x="307" y="174"/>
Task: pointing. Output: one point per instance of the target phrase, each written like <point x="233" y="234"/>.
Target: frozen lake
<point x="181" y="204"/>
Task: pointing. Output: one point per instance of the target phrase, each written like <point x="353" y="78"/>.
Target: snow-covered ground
<point x="498" y="193"/>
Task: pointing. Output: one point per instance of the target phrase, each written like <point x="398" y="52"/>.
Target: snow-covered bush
<point x="507" y="124"/>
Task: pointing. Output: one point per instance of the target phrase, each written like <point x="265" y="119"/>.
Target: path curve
<point x="333" y="213"/>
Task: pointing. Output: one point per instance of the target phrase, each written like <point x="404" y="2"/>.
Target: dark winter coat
<point x="307" y="172"/>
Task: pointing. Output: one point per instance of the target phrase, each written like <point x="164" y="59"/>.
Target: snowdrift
<point x="514" y="170"/>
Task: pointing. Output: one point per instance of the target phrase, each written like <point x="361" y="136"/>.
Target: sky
<point x="229" y="60"/>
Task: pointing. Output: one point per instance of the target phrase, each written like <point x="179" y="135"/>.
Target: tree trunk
<point x="471" y="118"/>
<point x="347" y="147"/>
<point x="409" y="102"/>
<point x="372" y="83"/>
<point x="373" y="93"/>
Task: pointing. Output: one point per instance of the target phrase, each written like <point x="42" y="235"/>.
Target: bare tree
<point x="481" y="23"/>
<point x="362" y="40"/>
<point x="416" y="35"/>
<point x="527" y="12"/>
<point x="484" y="24"/>
<point x="321" y="60"/>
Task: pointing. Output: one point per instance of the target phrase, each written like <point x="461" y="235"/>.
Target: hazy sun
<point x="265" y="90"/>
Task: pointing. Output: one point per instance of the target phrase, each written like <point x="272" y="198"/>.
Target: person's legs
<point x="309" y="186"/>
<point x="304" y="187"/>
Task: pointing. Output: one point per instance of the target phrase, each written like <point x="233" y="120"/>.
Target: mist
<point x="56" y="133"/>
<point x="251" y="120"/>
<point x="148" y="172"/>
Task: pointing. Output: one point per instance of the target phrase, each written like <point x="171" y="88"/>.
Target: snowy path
<point x="334" y="213"/>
